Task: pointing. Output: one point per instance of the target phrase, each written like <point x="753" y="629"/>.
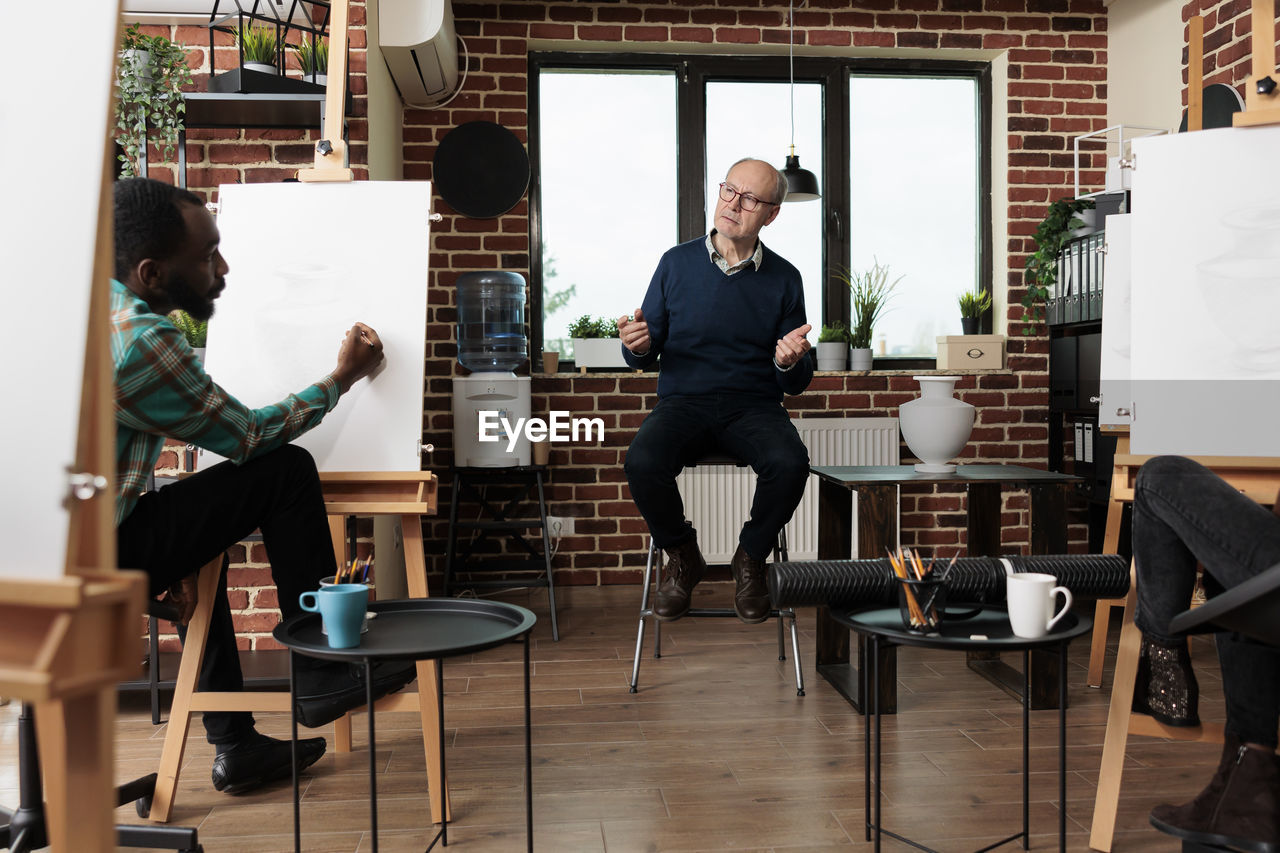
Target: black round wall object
<point x="481" y="169"/>
<point x="1220" y="103"/>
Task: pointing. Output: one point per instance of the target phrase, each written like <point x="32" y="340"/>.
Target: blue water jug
<point x="491" y="321"/>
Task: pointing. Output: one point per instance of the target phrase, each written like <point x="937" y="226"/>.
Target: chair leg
<point x="1098" y="649"/>
<point x="645" y="612"/>
<point x="175" y="739"/>
<point x="795" y="651"/>
<point x="1118" y="720"/>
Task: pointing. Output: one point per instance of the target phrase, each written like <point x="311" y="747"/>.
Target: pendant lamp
<point x="802" y="185"/>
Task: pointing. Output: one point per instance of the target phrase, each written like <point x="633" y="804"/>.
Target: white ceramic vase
<point x="936" y="425"/>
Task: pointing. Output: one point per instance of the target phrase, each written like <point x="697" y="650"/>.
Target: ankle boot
<point x="1166" y="687"/>
<point x="751" y="590"/>
<point x="1239" y="809"/>
<point x="684" y="570"/>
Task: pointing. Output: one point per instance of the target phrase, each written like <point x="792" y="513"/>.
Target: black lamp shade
<point x="802" y="185"/>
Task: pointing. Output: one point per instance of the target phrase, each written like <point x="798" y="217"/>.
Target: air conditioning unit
<point x="420" y="47"/>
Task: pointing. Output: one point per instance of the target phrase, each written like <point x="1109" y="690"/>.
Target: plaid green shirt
<point x="161" y="390"/>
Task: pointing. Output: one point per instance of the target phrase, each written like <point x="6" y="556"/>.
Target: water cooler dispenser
<point x="491" y="344"/>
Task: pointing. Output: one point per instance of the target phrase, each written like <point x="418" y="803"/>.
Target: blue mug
<point x="341" y="607"/>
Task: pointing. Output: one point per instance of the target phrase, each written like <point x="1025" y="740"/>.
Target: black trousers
<point x="175" y="530"/>
<point x="1184" y="513"/>
<point x="679" y="430"/>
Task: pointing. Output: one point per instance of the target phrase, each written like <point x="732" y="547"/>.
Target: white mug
<point x="1030" y="596"/>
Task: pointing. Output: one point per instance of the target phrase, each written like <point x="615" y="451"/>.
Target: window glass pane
<point x="914" y="193"/>
<point x="754" y="120"/>
<point x="608" y="191"/>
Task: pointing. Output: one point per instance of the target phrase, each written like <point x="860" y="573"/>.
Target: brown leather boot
<point x="1239" y="809"/>
<point x="684" y="570"/>
<point x="751" y="598"/>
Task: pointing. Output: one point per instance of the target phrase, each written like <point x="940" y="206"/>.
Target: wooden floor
<point x="715" y="752"/>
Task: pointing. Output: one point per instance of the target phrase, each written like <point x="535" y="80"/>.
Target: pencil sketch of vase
<point x="1241" y="288"/>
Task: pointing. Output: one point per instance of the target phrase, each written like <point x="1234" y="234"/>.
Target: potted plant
<point x="972" y="307"/>
<point x="195" y="331"/>
<point x="833" y="347"/>
<point x="150" y="74"/>
<point x="1042" y="264"/>
<point x="258" y="48"/>
<point x="595" y="342"/>
<point x="869" y="292"/>
<point x="313" y="59"/>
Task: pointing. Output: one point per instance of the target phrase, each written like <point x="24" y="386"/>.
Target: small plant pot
<point x="970" y="325"/>
<point x="860" y="358"/>
<point x="598" y="352"/>
<point x="833" y="355"/>
<point x="261" y="68"/>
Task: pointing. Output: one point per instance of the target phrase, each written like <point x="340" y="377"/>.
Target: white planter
<point x="860" y="358"/>
<point x="261" y="68"/>
<point x="598" y="352"/>
<point x="833" y="355"/>
<point x="140" y="60"/>
<point x="936" y="426"/>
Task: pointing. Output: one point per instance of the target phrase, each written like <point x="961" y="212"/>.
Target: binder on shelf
<point x="1079" y="442"/>
<point x="1090" y="429"/>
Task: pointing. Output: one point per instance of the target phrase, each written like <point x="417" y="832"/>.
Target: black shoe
<point x="260" y="760"/>
<point x="751" y="597"/>
<point x="328" y="691"/>
<point x="1166" y="687"/>
<point x="684" y="570"/>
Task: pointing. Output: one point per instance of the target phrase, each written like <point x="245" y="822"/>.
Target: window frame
<point x="692" y="73"/>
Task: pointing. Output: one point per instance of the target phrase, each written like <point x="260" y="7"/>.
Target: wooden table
<point x="878" y="488"/>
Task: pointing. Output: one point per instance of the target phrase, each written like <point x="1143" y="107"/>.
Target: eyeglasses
<point x="749" y="202"/>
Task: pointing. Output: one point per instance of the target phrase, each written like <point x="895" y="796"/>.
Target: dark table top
<point x="988" y="630"/>
<point x="854" y="475"/>
<point x="415" y="629"/>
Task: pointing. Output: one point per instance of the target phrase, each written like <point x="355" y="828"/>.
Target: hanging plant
<point x="1042" y="265"/>
<point x="151" y="72"/>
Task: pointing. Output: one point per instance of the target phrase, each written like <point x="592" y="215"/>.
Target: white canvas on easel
<point x="1206" y="294"/>
<point x="306" y="262"/>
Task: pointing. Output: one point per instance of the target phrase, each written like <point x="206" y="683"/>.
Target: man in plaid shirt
<point x="167" y="258"/>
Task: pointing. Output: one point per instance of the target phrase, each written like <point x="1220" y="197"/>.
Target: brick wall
<point x="1056" y="50"/>
<point x="1228" y="29"/>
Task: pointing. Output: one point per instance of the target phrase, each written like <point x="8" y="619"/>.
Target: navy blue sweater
<point x="716" y="333"/>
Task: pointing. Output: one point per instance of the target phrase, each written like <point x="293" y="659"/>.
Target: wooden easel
<point x="1259" y="479"/>
<point x="409" y="496"/>
<point x="66" y="642"/>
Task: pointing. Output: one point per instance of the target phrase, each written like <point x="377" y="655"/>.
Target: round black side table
<point x="414" y="629"/>
<point x="987" y="631"/>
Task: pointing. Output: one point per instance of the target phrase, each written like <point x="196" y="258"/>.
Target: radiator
<point x="717" y="499"/>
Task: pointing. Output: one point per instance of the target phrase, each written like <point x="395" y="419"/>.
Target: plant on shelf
<point x="195" y="331"/>
<point x="595" y="342"/>
<point x="973" y="304"/>
<point x="869" y="293"/>
<point x="150" y="73"/>
<point x="257" y="45"/>
<point x="836" y="334"/>
<point x="313" y="59"/>
<point x="585" y="327"/>
<point x="1042" y="264"/>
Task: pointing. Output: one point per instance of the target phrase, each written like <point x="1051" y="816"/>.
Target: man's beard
<point x="183" y="296"/>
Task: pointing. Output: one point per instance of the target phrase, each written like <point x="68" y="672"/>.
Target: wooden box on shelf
<point x="970" y="352"/>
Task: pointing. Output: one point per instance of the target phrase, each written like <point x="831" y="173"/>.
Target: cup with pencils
<point x="357" y="571"/>
<point x="922" y="592"/>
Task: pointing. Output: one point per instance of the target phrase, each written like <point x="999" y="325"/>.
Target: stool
<point x="471" y="484"/>
<point x="650" y="582"/>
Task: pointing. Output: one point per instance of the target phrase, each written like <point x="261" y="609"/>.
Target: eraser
<point x="977" y="636"/>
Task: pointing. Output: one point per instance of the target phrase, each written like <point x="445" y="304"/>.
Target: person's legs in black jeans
<point x="761" y="434"/>
<point x="174" y="531"/>
<point x="675" y="433"/>
<point x="1183" y="513"/>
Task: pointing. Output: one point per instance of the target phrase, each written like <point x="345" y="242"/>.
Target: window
<point x="629" y="151"/>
